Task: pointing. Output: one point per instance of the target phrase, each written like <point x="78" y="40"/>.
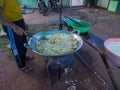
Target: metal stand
<point x="60" y="19"/>
<point x="57" y="65"/>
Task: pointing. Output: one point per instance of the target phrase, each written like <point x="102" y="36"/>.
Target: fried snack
<point x="57" y="44"/>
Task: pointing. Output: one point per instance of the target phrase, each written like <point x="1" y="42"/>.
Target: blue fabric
<point x="12" y="43"/>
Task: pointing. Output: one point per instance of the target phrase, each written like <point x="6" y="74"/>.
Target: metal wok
<point x="32" y="42"/>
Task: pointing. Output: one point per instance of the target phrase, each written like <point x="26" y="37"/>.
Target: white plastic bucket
<point x="112" y="49"/>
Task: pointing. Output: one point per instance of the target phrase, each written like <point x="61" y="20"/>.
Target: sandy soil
<point x="105" y="25"/>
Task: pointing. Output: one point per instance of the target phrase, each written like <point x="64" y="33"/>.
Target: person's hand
<point x="18" y="30"/>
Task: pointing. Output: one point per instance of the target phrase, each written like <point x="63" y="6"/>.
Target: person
<point x="13" y="24"/>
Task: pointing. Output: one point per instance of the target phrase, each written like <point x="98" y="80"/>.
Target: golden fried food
<point x="57" y="44"/>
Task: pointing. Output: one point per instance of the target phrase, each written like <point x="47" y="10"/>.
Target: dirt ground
<point x="104" y="25"/>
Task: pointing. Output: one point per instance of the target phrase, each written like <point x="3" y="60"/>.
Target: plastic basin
<point x="77" y="27"/>
<point x="112" y="49"/>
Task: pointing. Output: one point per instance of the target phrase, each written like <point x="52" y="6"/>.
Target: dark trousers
<point x="17" y="43"/>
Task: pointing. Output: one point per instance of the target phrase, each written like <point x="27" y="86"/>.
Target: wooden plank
<point x="93" y="40"/>
<point x="98" y="45"/>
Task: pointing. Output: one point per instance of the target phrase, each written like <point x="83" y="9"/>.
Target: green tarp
<point x="29" y="3"/>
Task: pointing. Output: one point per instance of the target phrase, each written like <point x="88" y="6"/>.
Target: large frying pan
<point x="32" y="42"/>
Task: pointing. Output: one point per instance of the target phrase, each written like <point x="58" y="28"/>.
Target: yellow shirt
<point x="11" y="10"/>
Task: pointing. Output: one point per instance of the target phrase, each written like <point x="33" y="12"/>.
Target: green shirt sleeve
<point x="2" y="3"/>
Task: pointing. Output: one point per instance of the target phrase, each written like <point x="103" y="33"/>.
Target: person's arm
<point x="15" y="28"/>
